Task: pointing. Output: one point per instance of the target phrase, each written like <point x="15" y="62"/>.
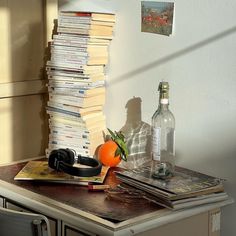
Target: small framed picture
<point x="157" y="17"/>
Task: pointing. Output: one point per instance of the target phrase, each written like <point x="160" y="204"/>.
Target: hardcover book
<point x="39" y="171"/>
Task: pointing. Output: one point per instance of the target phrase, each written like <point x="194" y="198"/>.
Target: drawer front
<point x="53" y="222"/>
<point x="69" y="230"/>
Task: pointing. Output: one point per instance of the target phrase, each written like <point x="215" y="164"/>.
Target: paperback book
<point x="76" y="109"/>
<point x="87" y="16"/>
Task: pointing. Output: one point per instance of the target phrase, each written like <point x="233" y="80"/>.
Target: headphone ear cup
<point x="69" y="157"/>
<point x="52" y="160"/>
<point x="60" y="155"/>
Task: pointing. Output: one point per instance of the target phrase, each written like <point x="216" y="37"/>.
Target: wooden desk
<point x="73" y="211"/>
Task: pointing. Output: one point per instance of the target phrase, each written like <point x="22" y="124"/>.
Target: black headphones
<point x="64" y="159"/>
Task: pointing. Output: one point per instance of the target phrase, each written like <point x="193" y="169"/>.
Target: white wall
<point x="199" y="62"/>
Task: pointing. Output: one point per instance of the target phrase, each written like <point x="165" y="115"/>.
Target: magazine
<point x="127" y="193"/>
<point x="185" y="183"/>
<point x="40" y="171"/>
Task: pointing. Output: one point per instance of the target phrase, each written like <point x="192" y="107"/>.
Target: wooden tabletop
<point x="79" y="197"/>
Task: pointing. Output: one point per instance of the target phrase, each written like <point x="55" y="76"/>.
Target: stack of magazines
<point x="76" y="80"/>
<point x="187" y="188"/>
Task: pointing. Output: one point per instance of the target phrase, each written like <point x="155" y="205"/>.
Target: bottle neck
<point x="164" y="103"/>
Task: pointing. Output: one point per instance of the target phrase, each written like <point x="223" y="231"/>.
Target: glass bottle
<point x="163" y="136"/>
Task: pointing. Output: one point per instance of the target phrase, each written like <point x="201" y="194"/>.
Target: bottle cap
<point x="164" y="90"/>
<point x="164" y="86"/>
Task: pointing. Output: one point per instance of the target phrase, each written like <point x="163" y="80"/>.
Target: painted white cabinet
<point x="195" y="222"/>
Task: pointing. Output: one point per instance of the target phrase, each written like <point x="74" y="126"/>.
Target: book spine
<point x="65" y="66"/>
<point x="76" y="77"/>
<point x="65" y="133"/>
<point x="86" y="70"/>
<point x="76" y="85"/>
<point x="69" y="139"/>
<point x="80" y="45"/>
<point x="61" y="52"/>
<point x="61" y="111"/>
<point x="74" y="25"/>
<point x="70" y="63"/>
<point x="73" y="108"/>
<point x="82" y="151"/>
<point x="67" y="58"/>
<point x="69" y="78"/>
<point x="75" y="13"/>
<point x="73" y="30"/>
<point x="70" y="37"/>
<point x="68" y="127"/>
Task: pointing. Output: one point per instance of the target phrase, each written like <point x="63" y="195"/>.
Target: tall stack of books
<point x="76" y="80"/>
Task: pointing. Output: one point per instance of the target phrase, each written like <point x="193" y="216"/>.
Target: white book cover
<point x="80" y="38"/>
<point x="75" y="108"/>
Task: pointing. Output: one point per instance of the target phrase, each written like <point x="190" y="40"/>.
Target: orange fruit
<point x="106" y="154"/>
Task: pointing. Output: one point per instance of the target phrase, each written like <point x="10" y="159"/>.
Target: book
<point x="82" y="111"/>
<point x="40" y="171"/>
<point x="86" y="41"/>
<point x="78" y="101"/>
<point x="185" y="184"/>
<point x="77" y="55"/>
<point x="92" y="135"/>
<point x="71" y="21"/>
<point x="76" y="84"/>
<point x="124" y="192"/>
<point x="76" y="61"/>
<point x="106" y="33"/>
<point x="98" y="16"/>
<point x="74" y="143"/>
<point x="80" y="126"/>
<point x="80" y="77"/>
<point x="82" y="150"/>
<point x="90" y="26"/>
<point x="82" y="46"/>
<point x="82" y="50"/>
<point x="81" y="92"/>
<point x="63" y="19"/>
<point x="72" y="117"/>
<point x="76" y="126"/>
<point x="84" y="69"/>
<point x="70" y="114"/>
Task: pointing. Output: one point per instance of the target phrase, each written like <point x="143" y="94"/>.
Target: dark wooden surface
<point x="79" y="197"/>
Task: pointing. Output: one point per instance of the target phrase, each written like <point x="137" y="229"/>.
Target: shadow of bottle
<point x="137" y="134"/>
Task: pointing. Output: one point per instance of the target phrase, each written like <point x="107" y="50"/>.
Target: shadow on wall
<point x="137" y="134"/>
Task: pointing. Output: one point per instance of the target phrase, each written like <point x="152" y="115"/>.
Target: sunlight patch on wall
<point x="5" y="60"/>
